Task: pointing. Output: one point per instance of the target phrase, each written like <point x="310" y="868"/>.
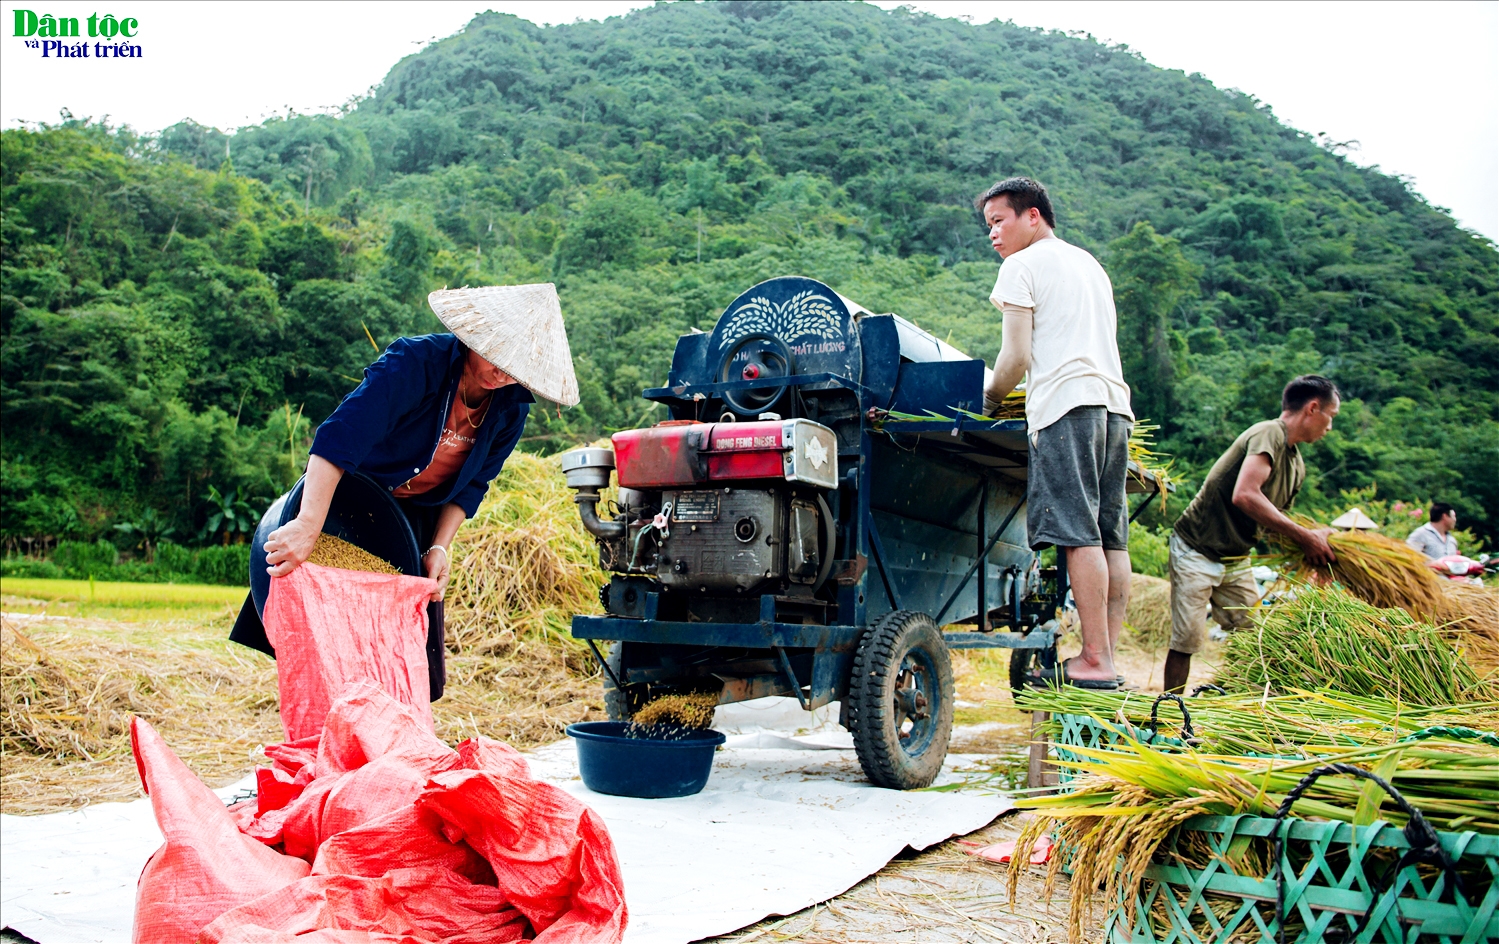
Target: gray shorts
<point x="1075" y="486"/>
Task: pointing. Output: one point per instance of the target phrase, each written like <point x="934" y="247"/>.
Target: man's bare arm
<point x="1014" y="356"/>
<point x="1249" y="499"/>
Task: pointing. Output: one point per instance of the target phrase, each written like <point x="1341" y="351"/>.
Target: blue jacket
<point x="389" y="426"/>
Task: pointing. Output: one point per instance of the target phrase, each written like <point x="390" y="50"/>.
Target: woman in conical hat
<point x="433" y="422"/>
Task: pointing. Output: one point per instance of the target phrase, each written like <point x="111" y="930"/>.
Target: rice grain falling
<point x="671" y="716"/>
<point x="330" y="551"/>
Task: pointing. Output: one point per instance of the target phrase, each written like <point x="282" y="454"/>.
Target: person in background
<point x="1434" y="538"/>
<point x="1060" y="325"/>
<point x="1250" y="487"/>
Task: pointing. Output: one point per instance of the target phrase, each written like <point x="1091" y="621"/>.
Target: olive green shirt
<point x="1212" y="525"/>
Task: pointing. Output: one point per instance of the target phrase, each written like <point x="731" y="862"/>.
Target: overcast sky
<point x="1416" y="84"/>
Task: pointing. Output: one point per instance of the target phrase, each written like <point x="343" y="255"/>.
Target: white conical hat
<point x="517" y="328"/>
<point x="1354" y="519"/>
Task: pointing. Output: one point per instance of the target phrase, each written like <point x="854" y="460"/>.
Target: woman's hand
<point x="435" y="561"/>
<point x="289" y="546"/>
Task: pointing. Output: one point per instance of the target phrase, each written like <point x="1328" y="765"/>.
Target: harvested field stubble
<point x="67" y="699"/>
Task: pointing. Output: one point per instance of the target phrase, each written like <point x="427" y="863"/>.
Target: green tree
<point x="1153" y="281"/>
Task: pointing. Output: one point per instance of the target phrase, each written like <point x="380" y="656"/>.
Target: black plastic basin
<point x="647" y="767"/>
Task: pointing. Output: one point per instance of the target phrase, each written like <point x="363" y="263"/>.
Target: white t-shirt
<point x="1074" y="353"/>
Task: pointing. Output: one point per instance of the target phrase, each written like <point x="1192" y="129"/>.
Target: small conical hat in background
<point x="517" y="328"/>
<point x="1354" y="519"/>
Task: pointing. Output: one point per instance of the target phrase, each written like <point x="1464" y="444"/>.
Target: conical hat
<point x="1354" y="519"/>
<point x="517" y="328"/>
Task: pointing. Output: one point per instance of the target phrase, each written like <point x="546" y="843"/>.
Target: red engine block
<point x="683" y="453"/>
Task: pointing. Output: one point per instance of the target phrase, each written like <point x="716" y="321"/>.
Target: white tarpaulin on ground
<point x="786" y="820"/>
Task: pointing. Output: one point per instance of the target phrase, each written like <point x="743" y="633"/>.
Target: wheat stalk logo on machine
<point x="799" y="316"/>
<point x="817" y="453"/>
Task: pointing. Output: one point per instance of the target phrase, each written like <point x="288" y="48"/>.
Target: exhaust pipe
<point x="587" y="470"/>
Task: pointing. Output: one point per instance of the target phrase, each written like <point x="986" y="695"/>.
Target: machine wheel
<point x="616" y="702"/>
<point x="901" y="701"/>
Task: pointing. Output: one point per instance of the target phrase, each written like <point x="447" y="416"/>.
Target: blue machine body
<point x="930" y="511"/>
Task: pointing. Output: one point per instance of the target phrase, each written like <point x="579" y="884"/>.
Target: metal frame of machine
<point x="905" y="538"/>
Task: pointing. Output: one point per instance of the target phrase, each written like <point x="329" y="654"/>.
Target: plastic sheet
<point x="774" y="831"/>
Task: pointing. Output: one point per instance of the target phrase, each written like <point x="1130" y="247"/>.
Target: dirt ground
<point x="941" y="894"/>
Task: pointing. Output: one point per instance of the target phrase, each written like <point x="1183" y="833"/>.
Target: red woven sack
<point x="206" y="867"/>
<point x="331" y="627"/>
<point x="414" y="843"/>
<point x="424" y="904"/>
<point x="374" y="757"/>
<point x="550" y="853"/>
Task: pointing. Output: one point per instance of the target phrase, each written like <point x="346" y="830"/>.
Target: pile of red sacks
<point x="372" y="830"/>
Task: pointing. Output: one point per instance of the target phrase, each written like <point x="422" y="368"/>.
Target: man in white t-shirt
<point x="1059" y="324"/>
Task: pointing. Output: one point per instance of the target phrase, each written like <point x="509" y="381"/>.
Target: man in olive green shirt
<point x="1249" y="488"/>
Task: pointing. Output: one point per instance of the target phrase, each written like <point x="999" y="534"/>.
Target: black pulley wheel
<point x="755" y="357"/>
<point x="901" y="701"/>
<point x="1025" y="663"/>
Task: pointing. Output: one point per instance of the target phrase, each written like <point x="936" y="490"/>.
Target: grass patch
<point x="128" y="602"/>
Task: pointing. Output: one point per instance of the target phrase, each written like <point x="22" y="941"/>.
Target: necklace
<point x="488" y="399"/>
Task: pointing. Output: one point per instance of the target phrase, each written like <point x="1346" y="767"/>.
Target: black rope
<point x="1208" y="687"/>
<point x="1154" y="724"/>
<point x="1425" y="846"/>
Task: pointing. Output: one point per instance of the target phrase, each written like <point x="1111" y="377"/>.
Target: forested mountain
<point x="178" y="309"/>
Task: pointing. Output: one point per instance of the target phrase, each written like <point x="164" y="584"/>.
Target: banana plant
<point x="150" y="528"/>
<point x="228" y="515"/>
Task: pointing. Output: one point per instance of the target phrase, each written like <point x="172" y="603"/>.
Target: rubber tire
<point x="871" y="701"/>
<point x="616" y="702"/>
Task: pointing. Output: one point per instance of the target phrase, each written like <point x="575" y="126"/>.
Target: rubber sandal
<point x="1058" y="675"/>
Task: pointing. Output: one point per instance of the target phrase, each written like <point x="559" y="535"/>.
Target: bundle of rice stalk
<point x="1471" y="615"/>
<point x="1012" y="407"/>
<point x="523" y="566"/>
<point x="1325" y="639"/>
<point x="1374" y="568"/>
<point x="1276" y="724"/>
<point x="1152" y="468"/>
<point x="1149" y="612"/>
<point x="1129" y="798"/>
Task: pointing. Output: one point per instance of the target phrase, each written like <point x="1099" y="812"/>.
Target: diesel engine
<point x="726" y="508"/>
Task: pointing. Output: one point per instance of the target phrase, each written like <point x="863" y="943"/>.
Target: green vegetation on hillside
<point x="180" y="310"/>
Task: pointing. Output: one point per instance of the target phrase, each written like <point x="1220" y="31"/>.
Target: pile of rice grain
<point x="330" y="551"/>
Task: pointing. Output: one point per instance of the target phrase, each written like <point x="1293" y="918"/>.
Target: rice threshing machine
<point x="792" y="530"/>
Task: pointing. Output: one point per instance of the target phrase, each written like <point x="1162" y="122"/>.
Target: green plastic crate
<point x="1334" y="867"/>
